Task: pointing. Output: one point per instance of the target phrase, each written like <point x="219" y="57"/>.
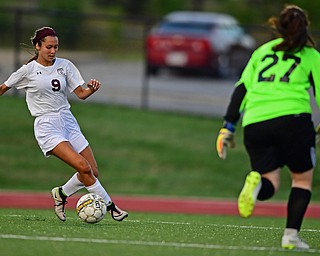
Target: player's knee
<point x="84" y="167"/>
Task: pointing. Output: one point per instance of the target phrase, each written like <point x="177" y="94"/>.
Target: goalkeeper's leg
<point x="257" y="186"/>
<point x="249" y="193"/>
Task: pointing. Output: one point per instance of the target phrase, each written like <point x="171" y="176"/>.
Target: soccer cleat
<point x="116" y="213"/>
<point x="293" y="242"/>
<point x="248" y="195"/>
<point x="59" y="202"/>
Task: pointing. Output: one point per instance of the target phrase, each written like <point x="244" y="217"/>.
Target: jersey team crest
<point x="61" y="71"/>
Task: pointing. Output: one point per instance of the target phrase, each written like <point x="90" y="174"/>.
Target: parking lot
<point x="125" y="84"/>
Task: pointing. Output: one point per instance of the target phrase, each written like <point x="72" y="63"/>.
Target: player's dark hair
<point x="292" y="25"/>
<point x="38" y="37"/>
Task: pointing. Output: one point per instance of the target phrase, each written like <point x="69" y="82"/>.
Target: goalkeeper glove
<point x="225" y="139"/>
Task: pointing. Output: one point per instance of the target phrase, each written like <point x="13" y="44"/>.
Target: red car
<point x="210" y="42"/>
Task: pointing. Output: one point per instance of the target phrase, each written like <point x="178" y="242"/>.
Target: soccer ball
<point x="91" y="208"/>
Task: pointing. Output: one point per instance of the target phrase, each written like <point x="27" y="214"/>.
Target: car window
<point x="228" y="32"/>
<point x="183" y="27"/>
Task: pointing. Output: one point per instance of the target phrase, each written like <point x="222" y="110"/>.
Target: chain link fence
<point x="100" y="38"/>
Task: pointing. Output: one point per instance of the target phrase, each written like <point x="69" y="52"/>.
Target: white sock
<point x="290" y="232"/>
<point x="97" y="189"/>
<point x="72" y="185"/>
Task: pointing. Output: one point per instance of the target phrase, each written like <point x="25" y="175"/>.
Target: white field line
<point x="222" y="225"/>
<point x="186" y="223"/>
<point x="148" y="243"/>
<point x="163" y="243"/>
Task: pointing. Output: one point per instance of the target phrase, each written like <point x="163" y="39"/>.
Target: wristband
<point x="229" y="126"/>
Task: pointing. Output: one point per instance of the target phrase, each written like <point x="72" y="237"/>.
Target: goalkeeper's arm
<point x="225" y="137"/>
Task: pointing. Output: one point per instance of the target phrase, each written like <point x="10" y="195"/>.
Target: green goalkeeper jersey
<point x="278" y="83"/>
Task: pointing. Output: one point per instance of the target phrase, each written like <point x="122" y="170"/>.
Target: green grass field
<point x="139" y="153"/>
<point x="39" y="232"/>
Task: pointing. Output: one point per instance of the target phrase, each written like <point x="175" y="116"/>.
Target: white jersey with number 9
<point x="46" y="86"/>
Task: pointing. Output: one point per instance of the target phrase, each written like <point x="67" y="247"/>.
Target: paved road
<point x="126" y="85"/>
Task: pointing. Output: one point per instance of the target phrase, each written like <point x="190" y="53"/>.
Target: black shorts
<point x="287" y="140"/>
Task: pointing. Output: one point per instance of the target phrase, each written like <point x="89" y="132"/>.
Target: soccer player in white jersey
<point x="46" y="80"/>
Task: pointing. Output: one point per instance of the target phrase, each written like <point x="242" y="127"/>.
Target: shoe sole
<point x="247" y="200"/>
<point x="289" y="247"/>
<point x="294" y="248"/>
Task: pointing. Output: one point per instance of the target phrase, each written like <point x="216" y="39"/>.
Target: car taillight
<point x="178" y="43"/>
<point x="200" y="46"/>
<point x="159" y="43"/>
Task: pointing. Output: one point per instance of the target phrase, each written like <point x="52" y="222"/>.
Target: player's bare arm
<point x="3" y="89"/>
<point x="92" y="87"/>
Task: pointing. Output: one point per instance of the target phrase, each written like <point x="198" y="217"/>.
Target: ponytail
<point x="292" y="26"/>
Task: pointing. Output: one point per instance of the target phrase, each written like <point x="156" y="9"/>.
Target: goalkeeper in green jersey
<point x="273" y="96"/>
